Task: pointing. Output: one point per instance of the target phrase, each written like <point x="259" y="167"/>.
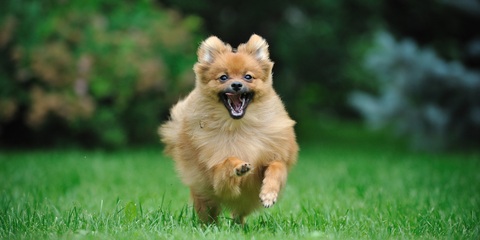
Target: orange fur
<point x="235" y="163"/>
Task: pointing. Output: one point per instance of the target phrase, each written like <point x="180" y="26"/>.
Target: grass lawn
<point x="347" y="184"/>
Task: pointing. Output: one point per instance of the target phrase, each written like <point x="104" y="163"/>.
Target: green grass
<point x="347" y="184"/>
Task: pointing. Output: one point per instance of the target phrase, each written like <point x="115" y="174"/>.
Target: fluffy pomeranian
<point x="231" y="137"/>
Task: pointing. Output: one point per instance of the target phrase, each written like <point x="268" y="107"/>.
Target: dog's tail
<point x="169" y="131"/>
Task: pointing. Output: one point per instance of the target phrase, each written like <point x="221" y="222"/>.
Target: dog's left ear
<point x="256" y="46"/>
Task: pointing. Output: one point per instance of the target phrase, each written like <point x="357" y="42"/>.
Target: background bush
<point x="436" y="103"/>
<point x="97" y="73"/>
<point x="104" y="73"/>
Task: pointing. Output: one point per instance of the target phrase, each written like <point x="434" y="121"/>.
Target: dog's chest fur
<point x="219" y="138"/>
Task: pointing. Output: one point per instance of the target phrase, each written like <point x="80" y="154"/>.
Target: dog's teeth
<point x="230" y="104"/>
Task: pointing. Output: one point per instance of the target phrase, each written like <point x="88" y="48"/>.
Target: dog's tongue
<point x="236" y="102"/>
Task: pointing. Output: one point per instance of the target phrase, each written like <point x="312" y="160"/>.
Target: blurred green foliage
<point x="97" y="73"/>
<point x="104" y="73"/>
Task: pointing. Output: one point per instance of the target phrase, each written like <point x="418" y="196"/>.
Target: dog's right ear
<point x="210" y="49"/>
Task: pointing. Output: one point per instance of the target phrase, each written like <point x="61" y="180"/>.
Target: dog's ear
<point x="210" y="48"/>
<point x="256" y="46"/>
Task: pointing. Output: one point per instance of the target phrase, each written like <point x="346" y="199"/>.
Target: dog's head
<point x="237" y="77"/>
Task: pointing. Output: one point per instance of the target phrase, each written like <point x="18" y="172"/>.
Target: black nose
<point x="236" y="86"/>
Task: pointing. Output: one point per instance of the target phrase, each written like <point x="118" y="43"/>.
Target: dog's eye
<point x="223" y="78"/>
<point x="248" y="77"/>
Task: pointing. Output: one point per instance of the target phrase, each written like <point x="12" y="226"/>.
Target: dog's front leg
<point x="275" y="179"/>
<point x="226" y="178"/>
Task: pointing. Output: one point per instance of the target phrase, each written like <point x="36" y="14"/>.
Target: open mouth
<point x="236" y="103"/>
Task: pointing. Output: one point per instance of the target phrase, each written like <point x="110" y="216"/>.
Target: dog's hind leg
<point x="238" y="219"/>
<point x="275" y="179"/>
<point x="227" y="177"/>
<point x="207" y="211"/>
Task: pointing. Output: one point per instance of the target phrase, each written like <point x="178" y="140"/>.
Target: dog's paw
<point x="268" y="198"/>
<point x="242" y="169"/>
